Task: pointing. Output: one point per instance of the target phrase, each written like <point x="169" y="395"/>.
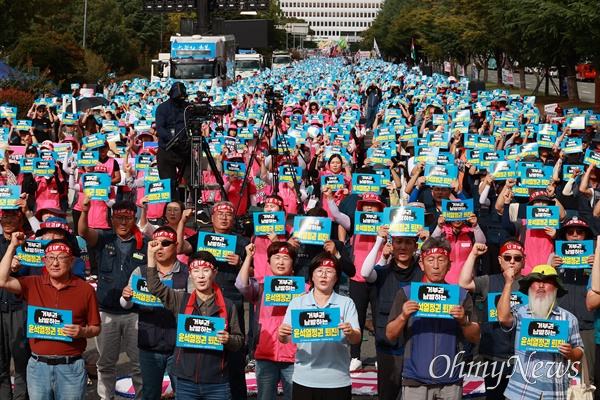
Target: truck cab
<point x="281" y="59"/>
<point x="249" y="64"/>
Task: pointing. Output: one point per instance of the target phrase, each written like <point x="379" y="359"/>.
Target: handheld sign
<point x="199" y="332"/>
<point x="151" y="175"/>
<point x="574" y="254"/>
<point x="234" y="169"/>
<point x="404" y="221"/>
<point x="87" y="158"/>
<point x="32" y="253"/>
<point x="569" y="169"/>
<point x="516" y="298"/>
<point x="143" y="161"/>
<point x="158" y="191"/>
<point x="503" y="170"/>
<point x="26" y="165"/>
<point x="43" y="168"/>
<point x="96" y="186"/>
<point x="457" y="210"/>
<point x="435" y="300"/>
<point x="312" y="230"/>
<point x="367" y="223"/>
<point x="93" y="141"/>
<point x="316" y="325"/>
<point x="8" y="196"/>
<point x="440" y="175"/>
<point x="280" y="290"/>
<point x="539" y="217"/>
<point x="542" y="335"/>
<point x="335" y="182"/>
<point x="141" y="295"/>
<point x="218" y="245"/>
<point x="48" y="323"/>
<point x="591" y="157"/>
<point x="379" y="155"/>
<point x="535" y="177"/>
<point x="267" y="222"/>
<point x="287" y="173"/>
<point x="365" y="183"/>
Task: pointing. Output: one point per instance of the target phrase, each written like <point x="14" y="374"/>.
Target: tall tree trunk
<point x="572" y="89"/>
<point x="522" y="78"/>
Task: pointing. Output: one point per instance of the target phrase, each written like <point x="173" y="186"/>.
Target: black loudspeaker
<point x="186" y="26"/>
<point x="427" y="70"/>
<point x="476" y="86"/>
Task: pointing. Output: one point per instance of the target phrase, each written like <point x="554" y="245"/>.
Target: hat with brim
<point x="541" y="273"/>
<point x="6" y="147"/>
<point x="540" y="195"/>
<point x="575" y="222"/>
<point x="372" y="198"/>
<point x="55" y="211"/>
<point x="54" y="223"/>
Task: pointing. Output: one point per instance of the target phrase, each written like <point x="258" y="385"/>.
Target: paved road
<point x="587" y="90"/>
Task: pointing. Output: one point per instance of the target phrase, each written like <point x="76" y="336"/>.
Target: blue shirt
<point x="529" y="387"/>
<point x="323" y="364"/>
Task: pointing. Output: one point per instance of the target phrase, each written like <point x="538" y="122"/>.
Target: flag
<point x="413" y="53"/>
<point x="376" y="48"/>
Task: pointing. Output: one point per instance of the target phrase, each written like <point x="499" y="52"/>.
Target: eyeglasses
<point x="324" y="272"/>
<point x="440" y="189"/>
<point x="225" y="214"/>
<point x="123" y="218"/>
<point x="166" y="243"/>
<point x="575" y="231"/>
<point x="52" y="259"/>
<point x="508" y="257"/>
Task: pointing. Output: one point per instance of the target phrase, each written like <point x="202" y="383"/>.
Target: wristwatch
<point x="466" y="323"/>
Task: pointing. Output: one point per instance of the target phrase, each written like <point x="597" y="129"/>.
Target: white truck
<point x="208" y="59"/>
<point x="249" y="64"/>
<point x="281" y="59"/>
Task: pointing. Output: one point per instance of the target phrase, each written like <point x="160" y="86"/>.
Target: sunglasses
<point x="166" y="243"/>
<point x="508" y="257"/>
<point x="576" y="231"/>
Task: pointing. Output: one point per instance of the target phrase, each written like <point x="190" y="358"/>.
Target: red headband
<point x="283" y="250"/>
<point x="59" y="247"/>
<point x="435" y="250"/>
<point x="272" y="200"/>
<point x="223" y="207"/>
<point x="511" y="246"/>
<point x="164" y="234"/>
<point x="124" y="211"/>
<point x="56" y="225"/>
<point x="198" y="263"/>
<point x="327" y="263"/>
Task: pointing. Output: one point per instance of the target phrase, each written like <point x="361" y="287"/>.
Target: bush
<point x="17" y="98"/>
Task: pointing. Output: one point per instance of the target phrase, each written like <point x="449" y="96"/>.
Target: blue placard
<point x="438" y="139"/>
<point x="591" y="157"/>
<point x="457" y="210"/>
<point x="141" y="295"/>
<point x="93" y="141"/>
<point x="288" y="172"/>
<point x="379" y="155"/>
<point x="535" y="177"/>
<point x="488" y="157"/>
<point x="542" y="335"/>
<point x="568" y="171"/>
<point x="43" y="168"/>
<point x="574" y="254"/>
<point x="87" y="158"/>
<point x="286" y="143"/>
<point x="151" y="175"/>
<point x="267" y="222"/>
<point x="217" y="244"/>
<point x="404" y="221"/>
<point x="367" y="223"/>
<point x="440" y="175"/>
<point x="384" y="175"/>
<point x="384" y="134"/>
<point x="26" y="165"/>
<point x="199" y="332"/>
<point x="280" y="290"/>
<point x="335" y="182"/>
<point x="48" y="323"/>
<point x="158" y="192"/>
<point x="32" y="253"/>
<point x="572" y="145"/>
<point x="8" y="196"/>
<point x="312" y="230"/>
<point x="143" y="161"/>
<point x="516" y="298"/>
<point x="435" y="300"/>
<point x="96" y="185"/>
<point x="539" y="217"/>
<point x="316" y="325"/>
<point x="502" y="170"/>
<point x="234" y="169"/>
<point x="366" y="183"/>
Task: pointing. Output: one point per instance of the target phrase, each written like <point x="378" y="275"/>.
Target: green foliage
<point x="17" y="98"/>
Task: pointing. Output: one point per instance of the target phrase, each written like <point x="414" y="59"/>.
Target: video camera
<point x="204" y="110"/>
<point x="271" y="95"/>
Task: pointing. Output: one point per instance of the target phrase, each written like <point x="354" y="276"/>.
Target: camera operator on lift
<point x="171" y="117"/>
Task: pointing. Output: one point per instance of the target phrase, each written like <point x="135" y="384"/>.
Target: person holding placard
<point x="436" y="335"/>
<point x="157" y="327"/>
<point x="63" y="314"/>
<point x="548" y="346"/>
<point x="201" y="373"/>
<point x="274" y="360"/>
<point x="322" y="367"/>
<point x="495" y="344"/>
<point x="395" y="269"/>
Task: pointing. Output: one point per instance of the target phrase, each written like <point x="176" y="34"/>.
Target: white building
<point x="333" y="19"/>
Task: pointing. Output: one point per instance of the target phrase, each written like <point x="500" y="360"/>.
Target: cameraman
<point x="171" y="116"/>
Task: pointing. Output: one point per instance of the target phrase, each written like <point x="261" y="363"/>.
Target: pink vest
<point x="461" y="248"/>
<point x="538" y="247"/>
<point x="362" y="245"/>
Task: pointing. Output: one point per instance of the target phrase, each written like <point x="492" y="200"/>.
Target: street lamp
<point x="84" y="21"/>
